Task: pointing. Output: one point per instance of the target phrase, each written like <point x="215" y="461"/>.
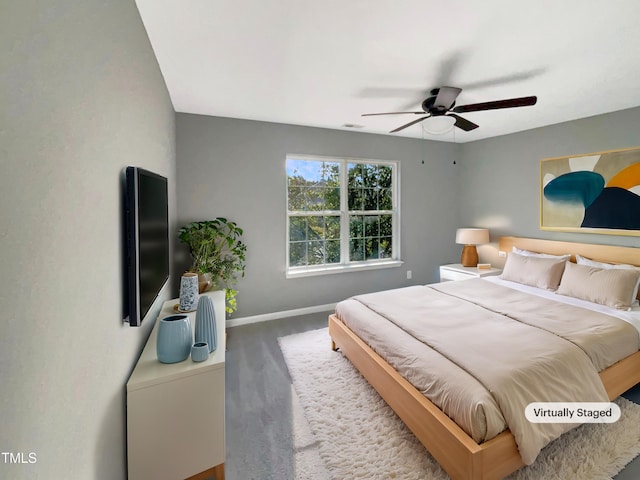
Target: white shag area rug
<point x="344" y="430"/>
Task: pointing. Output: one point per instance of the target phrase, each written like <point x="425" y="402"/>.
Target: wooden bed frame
<point x="460" y="456"/>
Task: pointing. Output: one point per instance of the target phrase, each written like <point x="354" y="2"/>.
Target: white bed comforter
<point x="482" y="352"/>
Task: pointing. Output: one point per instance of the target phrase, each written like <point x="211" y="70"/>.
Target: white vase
<point x="188" y="292"/>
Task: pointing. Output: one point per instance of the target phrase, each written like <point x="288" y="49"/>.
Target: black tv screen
<point x="147" y="225"/>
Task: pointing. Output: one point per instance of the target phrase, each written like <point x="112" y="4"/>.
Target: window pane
<point x="297" y="229"/>
<point x="315" y="228"/>
<point x="371" y="249"/>
<point x="332" y="198"/>
<point x="308" y="240"/>
<point x="386" y="247"/>
<point x="332" y="225"/>
<point x="370" y="176"/>
<point x="370" y="237"/>
<point x="356" y="250"/>
<point x="314" y="198"/>
<point x="371" y="226"/>
<point x="355" y="174"/>
<point x="296" y="198"/>
<point x="333" y="251"/>
<point x="331" y="174"/>
<point x="370" y="199"/>
<point x="369" y="187"/>
<point x="311" y="184"/>
<point x="385" y="176"/>
<point x="356" y="226"/>
<point x="356" y="198"/>
<point x="385" y="201"/>
<point x="386" y="225"/>
<point x="315" y="253"/>
<point x="297" y="254"/>
<point x="306" y="170"/>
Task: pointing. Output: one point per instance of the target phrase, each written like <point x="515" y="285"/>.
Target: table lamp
<point x="470" y="237"/>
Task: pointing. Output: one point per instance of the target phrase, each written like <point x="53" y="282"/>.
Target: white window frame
<point x="345" y="265"/>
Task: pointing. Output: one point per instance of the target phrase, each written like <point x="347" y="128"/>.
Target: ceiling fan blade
<point x="409" y="124"/>
<point x="510" y="103"/>
<point x="463" y="123"/>
<point x="391" y="113"/>
<point x="446" y="96"/>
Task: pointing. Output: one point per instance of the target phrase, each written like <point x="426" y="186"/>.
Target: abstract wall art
<point x="592" y="193"/>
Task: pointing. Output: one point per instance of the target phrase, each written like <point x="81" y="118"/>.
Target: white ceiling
<point x="325" y="62"/>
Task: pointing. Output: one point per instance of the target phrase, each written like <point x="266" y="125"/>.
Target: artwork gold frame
<point x="591" y="193"/>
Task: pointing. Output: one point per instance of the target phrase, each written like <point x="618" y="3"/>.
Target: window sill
<point x="328" y="270"/>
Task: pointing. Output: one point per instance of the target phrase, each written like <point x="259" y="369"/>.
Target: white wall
<point x="236" y="169"/>
<point x="501" y="175"/>
<point x="81" y="97"/>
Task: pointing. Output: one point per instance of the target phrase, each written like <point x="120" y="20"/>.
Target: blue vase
<point x="206" y="323"/>
<point x="199" y="352"/>
<point x="174" y="339"/>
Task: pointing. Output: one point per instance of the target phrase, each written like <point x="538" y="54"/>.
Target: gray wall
<point x="500" y="177"/>
<point x="82" y="97"/>
<point x="236" y="169"/>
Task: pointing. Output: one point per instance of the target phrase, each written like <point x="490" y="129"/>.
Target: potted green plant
<point x="217" y="250"/>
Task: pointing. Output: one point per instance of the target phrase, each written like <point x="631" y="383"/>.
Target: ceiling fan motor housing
<point x="429" y="105"/>
<point x="443" y="100"/>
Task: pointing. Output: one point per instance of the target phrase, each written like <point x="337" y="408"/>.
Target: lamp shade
<point x="439" y="125"/>
<point x="472" y="236"/>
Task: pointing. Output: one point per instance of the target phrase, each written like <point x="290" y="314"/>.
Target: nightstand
<point x="456" y="271"/>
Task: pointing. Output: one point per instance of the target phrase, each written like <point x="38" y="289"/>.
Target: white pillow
<point x="606" y="286"/>
<point x="580" y="260"/>
<point x="527" y="253"/>
<point x="534" y="271"/>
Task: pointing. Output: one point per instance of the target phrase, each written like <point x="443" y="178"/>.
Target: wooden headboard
<point x="601" y="253"/>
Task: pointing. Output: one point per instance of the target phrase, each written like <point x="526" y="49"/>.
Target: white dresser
<point x="455" y="271"/>
<point x="175" y="412"/>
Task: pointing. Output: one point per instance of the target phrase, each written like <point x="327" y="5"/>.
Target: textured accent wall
<point x="81" y="97"/>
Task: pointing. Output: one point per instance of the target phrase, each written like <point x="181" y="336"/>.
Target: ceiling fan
<point x="442" y="103"/>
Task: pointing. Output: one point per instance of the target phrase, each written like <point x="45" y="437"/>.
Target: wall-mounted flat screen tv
<point x="147" y="240"/>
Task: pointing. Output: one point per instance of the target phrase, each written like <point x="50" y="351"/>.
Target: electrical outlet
<point x="502" y="254"/>
<point x="409" y="274"/>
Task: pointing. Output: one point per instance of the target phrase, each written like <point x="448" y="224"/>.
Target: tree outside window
<point x="340" y="211"/>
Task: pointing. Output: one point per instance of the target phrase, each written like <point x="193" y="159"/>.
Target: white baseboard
<point x="235" y="322"/>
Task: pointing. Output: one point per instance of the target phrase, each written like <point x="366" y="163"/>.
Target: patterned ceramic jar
<point x="188" y="292"/>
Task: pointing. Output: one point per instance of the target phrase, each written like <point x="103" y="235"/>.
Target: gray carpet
<point x="259" y="421"/>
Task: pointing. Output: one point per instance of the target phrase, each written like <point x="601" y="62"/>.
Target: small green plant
<point x="217" y="249"/>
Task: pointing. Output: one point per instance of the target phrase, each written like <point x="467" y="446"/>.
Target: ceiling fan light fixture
<point x="441" y="111"/>
<point x="439" y="125"/>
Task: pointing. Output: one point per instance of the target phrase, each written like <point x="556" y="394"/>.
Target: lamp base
<point x="469" y="256"/>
